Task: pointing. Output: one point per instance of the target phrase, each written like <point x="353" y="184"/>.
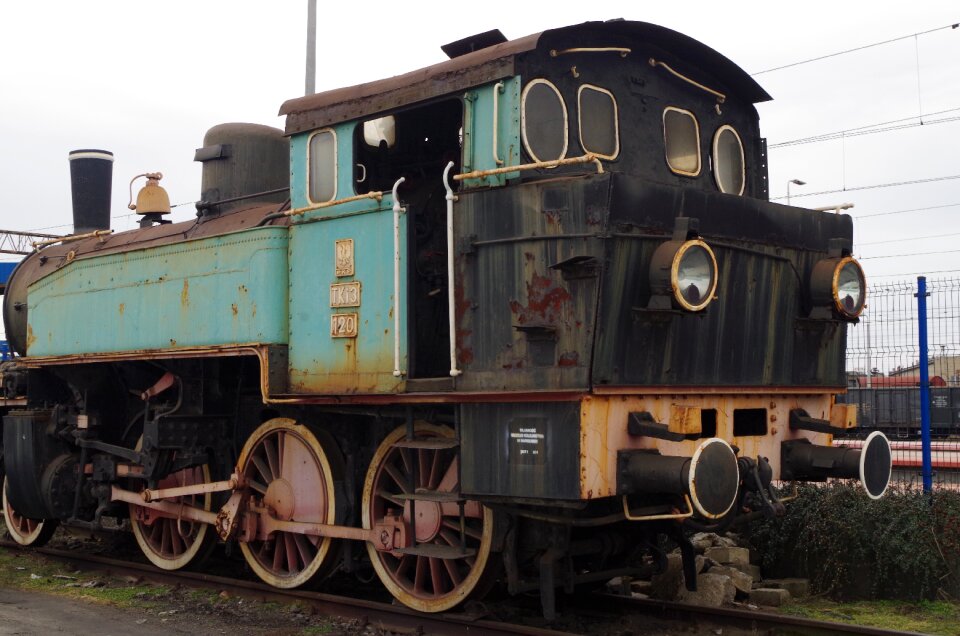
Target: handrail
<point x="720" y="96"/>
<point x="537" y="165"/>
<point x="451" y="308"/>
<point x="71" y="238"/>
<point x="675" y="515"/>
<point x="397" y="209"/>
<point x="329" y="204"/>
<point x="623" y="51"/>
<point x="496" y="124"/>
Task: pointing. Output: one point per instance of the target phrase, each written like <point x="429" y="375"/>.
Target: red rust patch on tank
<point x="568" y="359"/>
<point x="461" y="305"/>
<point x="546" y="302"/>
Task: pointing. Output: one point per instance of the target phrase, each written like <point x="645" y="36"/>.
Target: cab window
<point x="599" y="128"/>
<point x="544" y="122"/>
<point x="322" y="162"/>
<point x="415" y="144"/>
<point x="681" y="141"/>
<point x="728" y="164"/>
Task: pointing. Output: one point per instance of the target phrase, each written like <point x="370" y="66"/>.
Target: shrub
<point x="903" y="546"/>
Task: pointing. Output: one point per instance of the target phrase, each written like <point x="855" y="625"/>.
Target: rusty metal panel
<point x="482" y="147"/>
<point x="755" y="333"/>
<point x="210" y="291"/>
<point x="355" y="102"/>
<point x="521" y="449"/>
<point x="345" y="347"/>
<point x="51" y="259"/>
<point x="529" y="270"/>
<point x="603" y="430"/>
<point x="499" y="61"/>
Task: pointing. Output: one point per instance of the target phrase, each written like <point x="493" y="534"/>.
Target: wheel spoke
<point x="263" y="469"/>
<point x="293" y="565"/>
<point x="438" y="583"/>
<point x="256" y="485"/>
<point x="420" y="575"/>
<point x="435" y="470"/>
<point x="398" y="478"/>
<point x="304" y="549"/>
<point x="396" y="501"/>
<point x="270" y="450"/>
<point x="451" y="477"/>
<point x="469" y="531"/>
<point x="423" y="470"/>
<point x="176" y="542"/>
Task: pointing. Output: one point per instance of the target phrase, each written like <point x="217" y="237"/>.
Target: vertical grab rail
<point x="397" y="210"/>
<point x="451" y="309"/>
<point x="496" y="123"/>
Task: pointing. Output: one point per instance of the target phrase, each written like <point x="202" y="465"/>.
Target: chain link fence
<point x="883" y="376"/>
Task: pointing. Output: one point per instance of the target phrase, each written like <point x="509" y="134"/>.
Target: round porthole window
<point x="544" y="123"/>
<point x="728" y="162"/>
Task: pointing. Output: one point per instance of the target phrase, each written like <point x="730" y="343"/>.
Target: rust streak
<point x="185" y="294"/>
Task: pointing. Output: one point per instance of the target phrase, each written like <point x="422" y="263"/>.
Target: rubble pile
<point x="726" y="573"/>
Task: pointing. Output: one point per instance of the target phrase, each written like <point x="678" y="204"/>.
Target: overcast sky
<point x="145" y="80"/>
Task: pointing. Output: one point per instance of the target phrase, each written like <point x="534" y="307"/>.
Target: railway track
<point x="604" y="610"/>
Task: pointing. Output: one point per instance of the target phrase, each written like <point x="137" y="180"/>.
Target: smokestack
<point x="91" y="180"/>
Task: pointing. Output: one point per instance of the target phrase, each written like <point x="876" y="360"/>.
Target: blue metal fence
<point x="917" y="405"/>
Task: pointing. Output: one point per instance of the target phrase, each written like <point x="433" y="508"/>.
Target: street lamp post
<point x="794" y="182"/>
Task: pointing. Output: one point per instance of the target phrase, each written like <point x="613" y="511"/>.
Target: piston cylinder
<point x="872" y="463"/>
<point x="710" y="477"/>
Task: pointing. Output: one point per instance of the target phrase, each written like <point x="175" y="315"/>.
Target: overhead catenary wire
<point x="929" y="253"/>
<point x="871" y="187"/>
<point x="923" y="273"/>
<point x="924" y="209"/>
<point x="912" y="238"/>
<point x="855" y="49"/>
<point x="871" y="129"/>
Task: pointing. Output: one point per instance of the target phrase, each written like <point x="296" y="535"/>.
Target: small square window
<point x="681" y="141"/>
<point x="322" y="160"/>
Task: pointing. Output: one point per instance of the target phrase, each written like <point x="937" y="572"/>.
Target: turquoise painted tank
<point x="209" y="291"/>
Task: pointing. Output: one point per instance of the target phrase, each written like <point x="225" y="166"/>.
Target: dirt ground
<point x="38" y="596"/>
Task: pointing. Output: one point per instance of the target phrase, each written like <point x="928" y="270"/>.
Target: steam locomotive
<point x="512" y="317"/>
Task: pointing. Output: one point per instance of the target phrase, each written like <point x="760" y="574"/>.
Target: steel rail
<point x="390" y="617"/>
<point x="406" y="620"/>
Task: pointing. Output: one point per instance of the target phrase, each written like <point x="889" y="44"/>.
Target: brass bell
<point x="152" y="198"/>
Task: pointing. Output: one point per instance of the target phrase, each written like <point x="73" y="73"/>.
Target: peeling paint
<point x="568" y="359"/>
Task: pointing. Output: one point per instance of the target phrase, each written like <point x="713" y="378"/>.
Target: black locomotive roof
<point x="496" y="62"/>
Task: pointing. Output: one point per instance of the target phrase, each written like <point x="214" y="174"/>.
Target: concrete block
<point x="741" y="580"/>
<point x="665" y="586"/>
<point x="713" y="590"/>
<point x="704" y="540"/>
<point x="738" y="557"/>
<point x="754" y="571"/>
<point x="798" y="588"/>
<point x="641" y="587"/>
<point x="769" y="596"/>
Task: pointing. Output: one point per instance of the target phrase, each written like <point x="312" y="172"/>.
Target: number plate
<point x="345" y="294"/>
<point x="344" y="325"/>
